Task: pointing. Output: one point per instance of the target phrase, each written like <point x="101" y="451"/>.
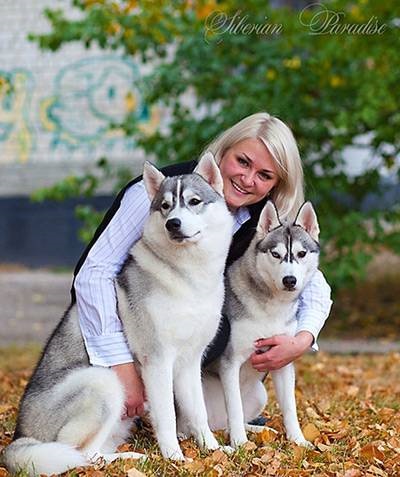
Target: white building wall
<point x="56" y="107"/>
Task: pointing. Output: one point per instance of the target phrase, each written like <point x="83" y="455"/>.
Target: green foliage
<point x="334" y="90"/>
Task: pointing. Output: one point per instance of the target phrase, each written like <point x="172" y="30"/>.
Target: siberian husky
<point x="170" y="294"/>
<point x="263" y="288"/>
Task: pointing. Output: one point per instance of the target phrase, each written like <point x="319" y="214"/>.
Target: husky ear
<point x="152" y="179"/>
<point x="269" y="218"/>
<point x="307" y="218"/>
<point x="208" y="169"/>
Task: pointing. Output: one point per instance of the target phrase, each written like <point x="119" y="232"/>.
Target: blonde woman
<point x="259" y="160"/>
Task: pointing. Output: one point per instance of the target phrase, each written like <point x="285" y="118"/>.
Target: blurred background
<point x="90" y="88"/>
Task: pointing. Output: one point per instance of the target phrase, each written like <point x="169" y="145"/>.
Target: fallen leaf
<point x="219" y="457"/>
<point x="195" y="466"/>
<point x="217" y="471"/>
<point x="394" y="443"/>
<point x="249" y="446"/>
<point x="311" y="413"/>
<point x="135" y="473"/>
<point x="5" y="407"/>
<point x="124" y="447"/>
<point x="352" y="391"/>
<point x="311" y="432"/>
<point x="377" y="471"/>
<point x="371" y="451"/>
<point x="264" y="437"/>
<point x="353" y="473"/>
<point x="322" y="447"/>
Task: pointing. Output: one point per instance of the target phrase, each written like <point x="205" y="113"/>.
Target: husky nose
<point x="289" y="281"/>
<point x="173" y="225"/>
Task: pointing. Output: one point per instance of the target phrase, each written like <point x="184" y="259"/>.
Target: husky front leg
<point x="157" y="376"/>
<point x="230" y="378"/>
<point x="190" y="400"/>
<point x="284" y="382"/>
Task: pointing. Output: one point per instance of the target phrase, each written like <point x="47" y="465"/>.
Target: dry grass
<point x="348" y="406"/>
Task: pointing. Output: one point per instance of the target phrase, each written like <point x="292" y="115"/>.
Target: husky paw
<point x="227" y="449"/>
<point x="210" y="443"/>
<point x="301" y="441"/>
<point x="171" y="454"/>
<point x="238" y="440"/>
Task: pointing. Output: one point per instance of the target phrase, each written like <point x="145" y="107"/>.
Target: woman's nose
<point x="248" y="179"/>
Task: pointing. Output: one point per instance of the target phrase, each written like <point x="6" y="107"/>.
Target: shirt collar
<point x="241" y="216"/>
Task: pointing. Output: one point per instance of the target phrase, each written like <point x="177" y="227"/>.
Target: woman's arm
<point x="96" y="299"/>
<point x="314" y="307"/>
<point x="94" y="285"/>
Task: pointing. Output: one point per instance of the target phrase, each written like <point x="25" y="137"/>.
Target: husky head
<point x="187" y="204"/>
<point x="287" y="254"/>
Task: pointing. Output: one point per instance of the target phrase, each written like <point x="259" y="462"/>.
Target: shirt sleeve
<point x="314" y="306"/>
<point x="94" y="284"/>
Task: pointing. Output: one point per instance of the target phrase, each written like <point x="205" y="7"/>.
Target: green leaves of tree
<point x="333" y="90"/>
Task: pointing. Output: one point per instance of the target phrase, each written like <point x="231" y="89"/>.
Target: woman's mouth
<point x="239" y="189"/>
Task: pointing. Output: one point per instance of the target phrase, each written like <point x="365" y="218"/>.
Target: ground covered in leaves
<point x="349" y="407"/>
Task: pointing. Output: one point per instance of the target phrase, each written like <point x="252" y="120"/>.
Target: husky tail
<point x="37" y="457"/>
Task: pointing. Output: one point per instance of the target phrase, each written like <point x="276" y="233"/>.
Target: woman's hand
<point x="282" y="350"/>
<point x="134" y="389"/>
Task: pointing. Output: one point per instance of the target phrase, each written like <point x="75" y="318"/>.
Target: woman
<point x="259" y="160"/>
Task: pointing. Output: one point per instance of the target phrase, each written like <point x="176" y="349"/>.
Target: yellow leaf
<point x="264" y="437"/>
<point x="311" y="432"/>
<point x="298" y="453"/>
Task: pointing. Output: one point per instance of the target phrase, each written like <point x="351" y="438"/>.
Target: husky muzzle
<point x="174" y="227"/>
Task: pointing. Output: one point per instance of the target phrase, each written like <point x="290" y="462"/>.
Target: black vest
<point x="240" y="241"/>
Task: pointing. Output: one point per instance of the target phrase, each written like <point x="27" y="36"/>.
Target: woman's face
<point x="249" y="173"/>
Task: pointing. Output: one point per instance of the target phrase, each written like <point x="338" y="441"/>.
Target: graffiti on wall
<point x="16" y="133"/>
<point x="80" y="112"/>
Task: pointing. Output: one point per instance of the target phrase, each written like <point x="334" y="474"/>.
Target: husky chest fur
<point x="170" y="294"/>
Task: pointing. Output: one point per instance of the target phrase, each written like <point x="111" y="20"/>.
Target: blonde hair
<point x="288" y="194"/>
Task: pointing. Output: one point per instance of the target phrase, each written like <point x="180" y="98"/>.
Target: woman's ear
<point x="269" y="218"/>
<point x="207" y="168"/>
<point x="152" y="179"/>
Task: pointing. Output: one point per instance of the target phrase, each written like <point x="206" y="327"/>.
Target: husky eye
<point x="165" y="206"/>
<point x="194" y="201"/>
<point x="275" y="254"/>
<point x="302" y="254"/>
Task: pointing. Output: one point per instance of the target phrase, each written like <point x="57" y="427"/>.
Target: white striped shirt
<point x="95" y="293"/>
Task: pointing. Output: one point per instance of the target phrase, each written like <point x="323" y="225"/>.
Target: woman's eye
<point x="165" y="205"/>
<point x="265" y="177"/>
<point x="242" y="161"/>
<point x="275" y="254"/>
<point x="194" y="201"/>
<point x="302" y="254"/>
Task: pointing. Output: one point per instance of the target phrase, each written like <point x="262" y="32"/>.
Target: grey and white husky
<point x="170" y="294"/>
<point x="263" y="288"/>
